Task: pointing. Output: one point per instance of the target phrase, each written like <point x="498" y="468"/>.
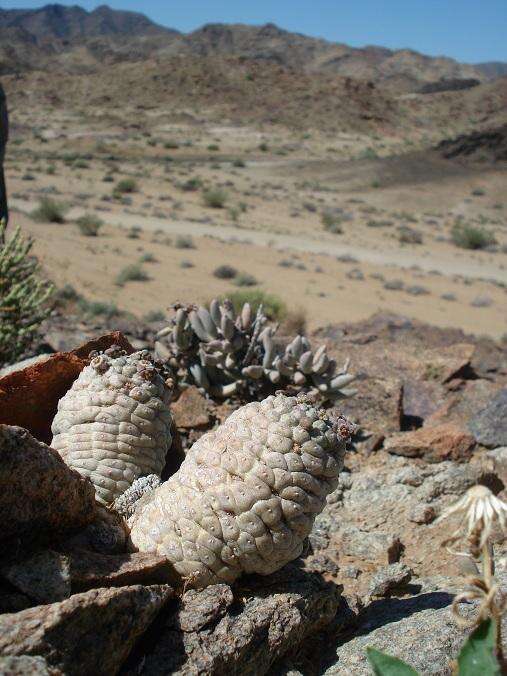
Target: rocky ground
<point x="431" y="410"/>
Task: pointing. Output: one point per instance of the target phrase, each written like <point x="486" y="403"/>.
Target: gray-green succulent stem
<point x="225" y="354"/>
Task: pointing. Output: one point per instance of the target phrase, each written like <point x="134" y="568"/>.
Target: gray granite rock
<point x="38" y="492"/>
<point x="214" y="633"/>
<point x="389" y="578"/>
<point x="489" y="426"/>
<point x="419" y="630"/>
<point x="89" y="633"/>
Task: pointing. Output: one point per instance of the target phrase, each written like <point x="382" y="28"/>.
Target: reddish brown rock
<point x="190" y="410"/>
<point x="89" y="633"/>
<point x="29" y="398"/>
<point x="38" y="491"/>
<point x="434" y="444"/>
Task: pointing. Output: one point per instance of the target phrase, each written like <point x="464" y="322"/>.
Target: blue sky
<point x="468" y="30"/>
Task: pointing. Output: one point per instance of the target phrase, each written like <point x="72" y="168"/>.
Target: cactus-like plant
<point x="247" y="493"/>
<point x="23" y="295"/>
<point x="227" y="354"/>
<point x="113" y="425"/>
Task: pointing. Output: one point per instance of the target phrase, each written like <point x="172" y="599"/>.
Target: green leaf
<point x="477" y="655"/>
<point x="385" y="665"/>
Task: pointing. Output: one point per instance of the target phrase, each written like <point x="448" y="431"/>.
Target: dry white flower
<point x="481" y="510"/>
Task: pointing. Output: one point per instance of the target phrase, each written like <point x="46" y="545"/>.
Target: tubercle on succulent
<point x="225" y="354"/>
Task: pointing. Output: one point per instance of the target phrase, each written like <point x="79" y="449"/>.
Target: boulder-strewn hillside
<point x="31" y="37"/>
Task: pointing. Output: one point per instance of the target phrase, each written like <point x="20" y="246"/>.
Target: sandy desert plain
<point x="337" y="224"/>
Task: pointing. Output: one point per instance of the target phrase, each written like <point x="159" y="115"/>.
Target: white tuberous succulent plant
<point x="247" y="493"/>
<point x="113" y="425"/>
<point x="225" y="354"/>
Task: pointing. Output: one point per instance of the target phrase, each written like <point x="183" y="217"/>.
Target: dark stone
<point x="489" y="426"/>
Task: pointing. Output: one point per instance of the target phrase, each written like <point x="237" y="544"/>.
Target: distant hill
<point x="74" y="23"/>
<point x="71" y="40"/>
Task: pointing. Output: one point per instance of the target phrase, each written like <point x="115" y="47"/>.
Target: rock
<point x="11" y="601"/>
<point x="106" y="534"/>
<point x="190" y="410"/>
<point x="29" y="398"/>
<point x="421" y="399"/>
<point x="44" y="577"/>
<point x="20" y="365"/>
<point x="321" y="563"/>
<point x="446" y="363"/>
<point x="422" y="514"/>
<point x="419" y="630"/>
<point x="351" y="571"/>
<point x="461" y="406"/>
<point x="389" y="578"/>
<point x="199" y="609"/>
<point x="271" y="616"/>
<point x="91" y="569"/>
<point x="38" y="492"/>
<point x="375" y="547"/>
<point x="489" y="426"/>
<point x="499" y="458"/>
<point x="89" y="633"/>
<point x="25" y="666"/>
<point x="434" y="444"/>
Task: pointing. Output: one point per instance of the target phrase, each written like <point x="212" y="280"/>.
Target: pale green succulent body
<point x="226" y="354"/>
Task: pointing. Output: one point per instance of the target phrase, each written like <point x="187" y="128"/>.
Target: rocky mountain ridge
<point x="30" y="39"/>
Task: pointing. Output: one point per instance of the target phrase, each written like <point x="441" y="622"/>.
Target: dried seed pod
<point x="247" y="493"/>
<point x="113" y="425"/>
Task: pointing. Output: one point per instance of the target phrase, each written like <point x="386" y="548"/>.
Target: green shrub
<point x="245" y="279"/>
<point x="49" y="211"/>
<point x="171" y="145"/>
<point x="273" y="306"/>
<point x="191" y="185"/>
<point x="184" y="242"/>
<point x="131" y="273"/>
<point x="215" y="198"/>
<point x="471" y="237"/>
<point x="98" y="308"/>
<point x="239" y="163"/>
<point x="154" y="316"/>
<point x="225" y="272"/>
<point x="126" y="185"/>
<point x="213" y="147"/>
<point x="147" y="257"/>
<point x="89" y="225"/>
<point x="332" y="222"/>
<point x="24" y="296"/>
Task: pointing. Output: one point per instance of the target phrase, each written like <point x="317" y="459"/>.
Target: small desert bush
<point x="245" y="279"/>
<point x="215" y="198"/>
<point x="273" y="306"/>
<point x="294" y="323"/>
<point x="332" y="222"/>
<point x="24" y="296"/>
<point x="154" y="316"/>
<point x="131" y="273"/>
<point x="468" y="236"/>
<point x="184" y="242"/>
<point x="407" y="235"/>
<point x="134" y="232"/>
<point x="89" y="225"/>
<point x="185" y="264"/>
<point x="225" y="272"/>
<point x="49" y="211"/>
<point x="191" y="185"/>
<point x="98" y="308"/>
<point x="147" y="257"/>
<point x="126" y="185"/>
